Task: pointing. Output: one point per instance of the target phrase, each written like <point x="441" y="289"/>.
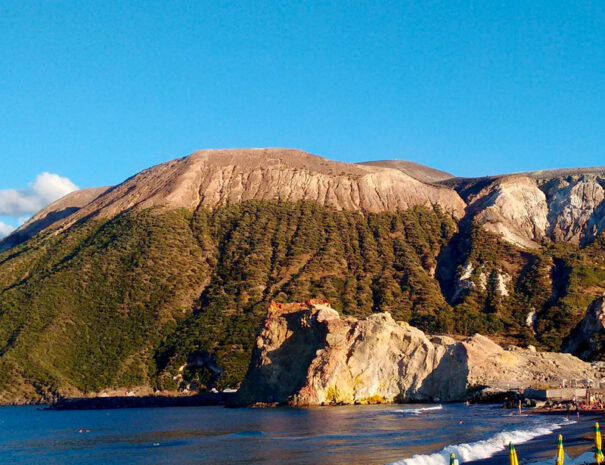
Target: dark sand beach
<point x="577" y="441"/>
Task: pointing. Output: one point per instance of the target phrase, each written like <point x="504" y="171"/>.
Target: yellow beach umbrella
<point x="598" y="453"/>
<point x="514" y="460"/>
<point x="560" y="457"/>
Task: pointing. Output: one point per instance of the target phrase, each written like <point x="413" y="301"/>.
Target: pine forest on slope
<point x="163" y="280"/>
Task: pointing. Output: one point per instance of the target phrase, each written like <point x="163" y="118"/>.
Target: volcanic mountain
<point x="161" y="281"/>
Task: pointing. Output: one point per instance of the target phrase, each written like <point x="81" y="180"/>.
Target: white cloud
<point x="45" y="189"/>
<point x="5" y="229"/>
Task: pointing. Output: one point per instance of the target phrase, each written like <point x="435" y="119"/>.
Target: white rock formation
<point x="504" y="280"/>
<point x="464" y="280"/>
<point x="575" y="213"/>
<point x="513" y="207"/>
<point x="306" y="354"/>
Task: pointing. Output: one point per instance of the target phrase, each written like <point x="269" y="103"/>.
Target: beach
<point x="577" y="441"/>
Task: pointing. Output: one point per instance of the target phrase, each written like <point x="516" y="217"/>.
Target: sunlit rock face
<point x="528" y="208"/>
<point x="217" y="177"/>
<point x="306" y="354"/>
<point x="577" y="211"/>
<point x="515" y="208"/>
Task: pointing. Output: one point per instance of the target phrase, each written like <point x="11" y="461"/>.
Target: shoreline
<point x="577" y="440"/>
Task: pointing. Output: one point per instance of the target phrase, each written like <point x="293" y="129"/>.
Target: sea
<point x="350" y="435"/>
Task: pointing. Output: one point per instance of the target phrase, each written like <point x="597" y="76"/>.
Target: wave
<point x="478" y="450"/>
<point x="419" y="410"/>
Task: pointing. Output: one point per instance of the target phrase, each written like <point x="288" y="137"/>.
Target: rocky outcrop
<point x="526" y="208"/>
<point x="515" y="208"/>
<point x="576" y="210"/>
<point x="586" y="340"/>
<point x="469" y="278"/>
<point x="306" y="354"/>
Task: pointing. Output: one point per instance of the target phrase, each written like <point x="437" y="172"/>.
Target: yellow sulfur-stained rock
<point x="307" y="354"/>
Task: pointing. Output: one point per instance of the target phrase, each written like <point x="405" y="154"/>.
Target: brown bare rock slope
<point x="216" y="177"/>
<point x="306" y="354"/>
<point x="421" y="172"/>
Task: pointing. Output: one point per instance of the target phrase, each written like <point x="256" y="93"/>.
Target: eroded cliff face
<point x="514" y="208"/>
<point x="306" y="354"/>
<point x="216" y="177"/>
<point x="525" y="209"/>
<point x="576" y="209"/>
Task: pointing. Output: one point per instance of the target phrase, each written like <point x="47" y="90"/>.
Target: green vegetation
<point x="169" y="298"/>
<point x="292" y="252"/>
<point x="86" y="308"/>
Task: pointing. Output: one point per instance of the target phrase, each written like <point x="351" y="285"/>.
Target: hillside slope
<point x="162" y="280"/>
<point x="421" y="172"/>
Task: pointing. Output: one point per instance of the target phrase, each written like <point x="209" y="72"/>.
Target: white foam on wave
<point x="419" y="410"/>
<point x="478" y="450"/>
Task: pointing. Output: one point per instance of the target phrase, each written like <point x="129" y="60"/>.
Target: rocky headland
<point x="307" y="354"/>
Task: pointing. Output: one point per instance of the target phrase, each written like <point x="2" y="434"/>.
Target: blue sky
<point x="95" y="91"/>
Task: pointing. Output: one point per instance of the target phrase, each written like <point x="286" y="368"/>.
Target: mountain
<point x="212" y="178"/>
<point x="161" y="281"/>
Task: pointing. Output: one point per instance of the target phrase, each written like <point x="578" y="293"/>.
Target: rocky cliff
<point x="306" y="354"/>
<point x="514" y="208"/>
<point x="526" y="208"/>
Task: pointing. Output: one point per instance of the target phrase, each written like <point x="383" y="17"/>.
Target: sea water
<point x="351" y="435"/>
